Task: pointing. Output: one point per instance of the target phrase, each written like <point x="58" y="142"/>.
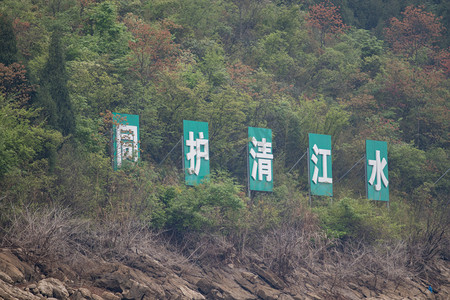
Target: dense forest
<point x="354" y="70"/>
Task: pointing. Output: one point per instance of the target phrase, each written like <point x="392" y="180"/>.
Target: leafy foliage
<point x="351" y="219"/>
<point x="325" y="18"/>
<point x="8" y="48"/>
<point x="56" y="99"/>
<point x="417" y="30"/>
<point x="14" y="84"/>
<point x="208" y="207"/>
<point x="152" y="48"/>
<point x="291" y="66"/>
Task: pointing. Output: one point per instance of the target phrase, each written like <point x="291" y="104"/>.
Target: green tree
<point x="204" y="19"/>
<point x="109" y="36"/>
<point x="8" y="47"/>
<point x="26" y="147"/>
<point x="54" y="95"/>
<point x="213" y="66"/>
<point x="272" y="55"/>
<point x="93" y="89"/>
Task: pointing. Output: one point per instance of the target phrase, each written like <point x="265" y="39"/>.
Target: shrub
<point x="213" y="206"/>
<point x="357" y="220"/>
<point x="43" y="233"/>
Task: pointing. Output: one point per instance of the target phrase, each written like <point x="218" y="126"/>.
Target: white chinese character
<point x="324" y="153"/>
<point x="196" y="153"/>
<point x="377" y="171"/>
<point x="262" y="164"/>
<point x="127" y="143"/>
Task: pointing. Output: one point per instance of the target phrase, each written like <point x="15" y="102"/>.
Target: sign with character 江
<point x="320" y="171"/>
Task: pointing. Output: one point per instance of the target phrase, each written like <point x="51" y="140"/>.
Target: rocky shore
<point x="144" y="277"/>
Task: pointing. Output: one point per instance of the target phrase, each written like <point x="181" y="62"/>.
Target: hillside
<point x="317" y="163"/>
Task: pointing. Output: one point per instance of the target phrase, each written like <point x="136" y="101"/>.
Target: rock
<point x="110" y="296"/>
<point x="216" y="294"/>
<point x="205" y="286"/>
<point x="96" y="297"/>
<point x="81" y="294"/>
<point x="269" y="276"/>
<point x="365" y="292"/>
<point x="77" y="296"/>
<point x="70" y="290"/>
<point x="10" y="270"/>
<point x="5" y="277"/>
<point x="285" y="297"/>
<point x="267" y="293"/>
<point x="9" y="292"/>
<point x="188" y="293"/>
<point x="85" y="293"/>
<point x="348" y="294"/>
<point x="148" y="265"/>
<point x="110" y="282"/>
<point x="314" y="296"/>
<point x="226" y="289"/>
<point x="13" y="267"/>
<point x="45" y="289"/>
<point x="136" y="291"/>
<point x="131" y="283"/>
<point x="247" y="285"/>
<point x="52" y="287"/>
<point x="352" y="286"/>
<point x="250" y="276"/>
<point x="33" y="288"/>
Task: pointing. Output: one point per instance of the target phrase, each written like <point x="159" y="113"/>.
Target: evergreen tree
<point x="54" y="93"/>
<point x="8" y="47"/>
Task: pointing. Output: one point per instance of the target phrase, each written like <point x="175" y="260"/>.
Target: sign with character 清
<point x="260" y="159"/>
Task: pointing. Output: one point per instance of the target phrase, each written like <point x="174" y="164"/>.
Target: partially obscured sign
<point x="260" y="159"/>
<point x="377" y="180"/>
<point x="196" y="152"/>
<point x="320" y="171"/>
<point x="125" y="139"/>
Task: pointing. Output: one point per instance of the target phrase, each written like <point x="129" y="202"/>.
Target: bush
<point x="357" y="220"/>
<point x="42" y="233"/>
<point x="213" y="206"/>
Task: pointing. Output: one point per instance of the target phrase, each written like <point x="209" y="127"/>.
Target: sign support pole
<point x="309" y="179"/>
<point x="365" y="176"/>
<point x="182" y="155"/>
<point x="248" y="174"/>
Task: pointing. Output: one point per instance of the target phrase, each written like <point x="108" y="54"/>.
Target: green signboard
<point x="125" y="139"/>
<point x="377" y="180"/>
<point x="195" y="152"/>
<point x="260" y="159"/>
<point x="319" y="161"/>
